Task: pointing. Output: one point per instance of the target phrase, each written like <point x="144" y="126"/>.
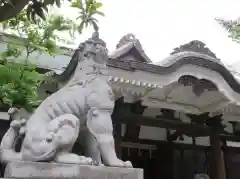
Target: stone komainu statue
<point x="79" y="112"/>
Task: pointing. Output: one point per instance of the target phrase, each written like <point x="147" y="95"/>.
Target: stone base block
<point x="39" y="170"/>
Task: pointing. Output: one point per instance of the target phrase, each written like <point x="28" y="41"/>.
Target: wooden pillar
<point x="165" y="160"/>
<point x="194" y="156"/>
<point x="222" y="163"/>
<point x="182" y="166"/>
<point x="217" y="158"/>
<point x="118" y="139"/>
<point x="118" y="109"/>
<point x="226" y="158"/>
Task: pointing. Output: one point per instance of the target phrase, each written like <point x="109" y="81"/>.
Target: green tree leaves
<point x="33" y="31"/>
<point x="18" y="86"/>
<point x="88" y="9"/>
<point x="40" y="36"/>
<point x="233" y="28"/>
<point x="19" y="81"/>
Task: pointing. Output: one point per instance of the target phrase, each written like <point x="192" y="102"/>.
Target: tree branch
<point x="8" y="11"/>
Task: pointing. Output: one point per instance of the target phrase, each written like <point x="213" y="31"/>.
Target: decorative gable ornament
<point x="195" y="46"/>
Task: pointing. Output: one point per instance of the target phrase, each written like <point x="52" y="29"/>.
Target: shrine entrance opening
<point x="169" y="160"/>
<point x="174" y="157"/>
<point x="157" y="163"/>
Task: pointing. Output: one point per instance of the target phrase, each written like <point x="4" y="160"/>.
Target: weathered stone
<point x="77" y="114"/>
<point x="29" y="170"/>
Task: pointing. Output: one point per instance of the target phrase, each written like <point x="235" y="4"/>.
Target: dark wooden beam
<point x="232" y="138"/>
<point x="179" y="146"/>
<point x="124" y="113"/>
<point x="198" y="119"/>
<point x="185" y="128"/>
<point x="159" y="143"/>
<point x="168" y="113"/>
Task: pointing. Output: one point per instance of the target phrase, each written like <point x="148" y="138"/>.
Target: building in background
<point x="175" y="118"/>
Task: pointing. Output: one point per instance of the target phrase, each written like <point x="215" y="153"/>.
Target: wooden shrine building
<point x="176" y="119"/>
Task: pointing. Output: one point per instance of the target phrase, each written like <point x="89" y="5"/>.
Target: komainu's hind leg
<point x="66" y="131"/>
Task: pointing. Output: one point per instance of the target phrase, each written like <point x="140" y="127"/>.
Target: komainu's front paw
<point x="128" y="164"/>
<point x="86" y="161"/>
<point x="120" y="163"/>
<point x="73" y="158"/>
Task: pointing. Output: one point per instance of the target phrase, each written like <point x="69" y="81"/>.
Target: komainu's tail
<point x="8" y="144"/>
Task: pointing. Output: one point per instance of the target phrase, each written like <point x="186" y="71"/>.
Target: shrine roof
<point x="129" y="44"/>
<point x="194" y="53"/>
<point x="191" y="64"/>
<point x="130" y="56"/>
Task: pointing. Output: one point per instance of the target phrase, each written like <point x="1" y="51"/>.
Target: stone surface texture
<point x="29" y="170"/>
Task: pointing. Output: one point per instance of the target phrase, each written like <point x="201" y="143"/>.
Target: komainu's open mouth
<point x="66" y="122"/>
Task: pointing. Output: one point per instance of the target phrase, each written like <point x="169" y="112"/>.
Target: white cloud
<point x="162" y="25"/>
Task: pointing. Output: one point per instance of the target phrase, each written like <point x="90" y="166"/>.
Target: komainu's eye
<point x="95" y="112"/>
<point x="49" y="137"/>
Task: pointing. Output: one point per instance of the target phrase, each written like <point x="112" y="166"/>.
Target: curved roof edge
<point x="177" y="56"/>
<point x="183" y="61"/>
<point x="194" y="53"/>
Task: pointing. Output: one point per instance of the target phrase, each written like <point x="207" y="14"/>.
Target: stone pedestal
<point x="30" y="170"/>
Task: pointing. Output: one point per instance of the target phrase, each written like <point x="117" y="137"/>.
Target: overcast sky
<point x="162" y="25"/>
